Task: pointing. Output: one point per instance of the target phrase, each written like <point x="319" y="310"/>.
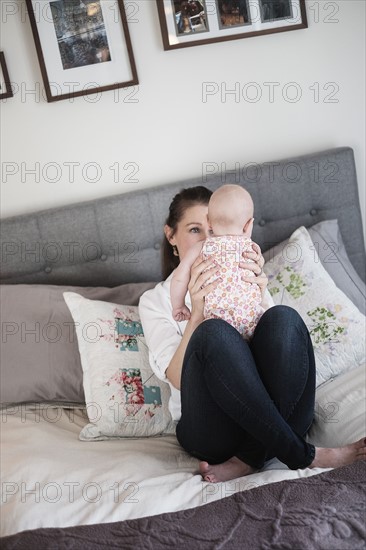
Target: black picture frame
<point x="75" y="42"/>
<point x="186" y="23"/>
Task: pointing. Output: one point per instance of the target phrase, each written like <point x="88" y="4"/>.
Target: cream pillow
<point x="123" y="396"/>
<point x="340" y="410"/>
<point x="296" y="278"/>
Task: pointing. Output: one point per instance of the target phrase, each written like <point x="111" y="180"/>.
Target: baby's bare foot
<point x="339" y="456"/>
<point x="231" y="469"/>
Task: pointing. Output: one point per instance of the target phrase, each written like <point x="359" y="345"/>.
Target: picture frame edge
<point x="8" y="89"/>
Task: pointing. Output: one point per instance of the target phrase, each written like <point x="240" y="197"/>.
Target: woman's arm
<point x="174" y="370"/>
<point x="197" y="291"/>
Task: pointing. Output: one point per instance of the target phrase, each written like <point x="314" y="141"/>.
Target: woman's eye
<point x="194" y="229"/>
<point x="210" y="231"/>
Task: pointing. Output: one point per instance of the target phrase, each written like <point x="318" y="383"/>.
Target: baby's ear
<point x="208" y="221"/>
<point x="248" y="228"/>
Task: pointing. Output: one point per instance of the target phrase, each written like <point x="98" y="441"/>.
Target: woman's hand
<point x="256" y="267"/>
<point x="197" y="288"/>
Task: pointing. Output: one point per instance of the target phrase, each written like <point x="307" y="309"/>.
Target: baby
<point x="230" y="215"/>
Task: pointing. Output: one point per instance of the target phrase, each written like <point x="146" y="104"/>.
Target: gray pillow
<point x="39" y="358"/>
<point x="329" y="245"/>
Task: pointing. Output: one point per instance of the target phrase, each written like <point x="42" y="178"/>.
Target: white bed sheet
<point x="49" y="478"/>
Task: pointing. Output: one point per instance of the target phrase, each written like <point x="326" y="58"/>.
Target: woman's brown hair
<point x="182" y="200"/>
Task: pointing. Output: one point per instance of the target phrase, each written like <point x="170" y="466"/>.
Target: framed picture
<point x="5" y="87"/>
<point x="83" y="46"/>
<point x="187" y="23"/>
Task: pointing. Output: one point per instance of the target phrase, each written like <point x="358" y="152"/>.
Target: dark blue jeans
<point x="253" y="400"/>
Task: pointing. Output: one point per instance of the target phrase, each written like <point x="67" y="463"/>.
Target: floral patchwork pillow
<point x="297" y="278"/>
<point x="123" y="396"/>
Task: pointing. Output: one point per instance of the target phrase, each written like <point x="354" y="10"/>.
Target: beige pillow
<point x="39" y="356"/>
<point x="340" y="410"/>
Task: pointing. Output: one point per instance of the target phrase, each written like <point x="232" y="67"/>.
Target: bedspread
<point x="326" y="512"/>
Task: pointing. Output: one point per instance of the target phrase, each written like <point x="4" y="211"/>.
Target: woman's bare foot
<point x="339" y="456"/>
<point x="231" y="469"/>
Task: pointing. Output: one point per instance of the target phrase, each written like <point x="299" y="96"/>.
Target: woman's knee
<point x="283" y="318"/>
<point x="212" y="332"/>
<point x="217" y="343"/>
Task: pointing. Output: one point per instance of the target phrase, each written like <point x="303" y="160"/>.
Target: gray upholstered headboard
<point x="117" y="239"/>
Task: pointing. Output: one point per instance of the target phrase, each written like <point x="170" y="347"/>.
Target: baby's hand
<point x="181" y="314"/>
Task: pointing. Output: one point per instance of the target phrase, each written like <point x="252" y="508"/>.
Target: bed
<point x="59" y="491"/>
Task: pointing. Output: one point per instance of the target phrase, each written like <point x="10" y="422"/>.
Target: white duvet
<point x="52" y="479"/>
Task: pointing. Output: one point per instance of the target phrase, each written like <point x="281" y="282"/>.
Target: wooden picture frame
<point x="83" y="46"/>
<point x="186" y="23"/>
<point x="5" y="86"/>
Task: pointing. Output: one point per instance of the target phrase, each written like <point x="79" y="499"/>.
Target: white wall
<point x="168" y="133"/>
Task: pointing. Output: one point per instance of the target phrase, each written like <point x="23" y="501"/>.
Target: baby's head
<point x="230" y="211"/>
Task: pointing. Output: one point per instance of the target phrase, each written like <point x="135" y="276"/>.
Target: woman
<point x="237" y="403"/>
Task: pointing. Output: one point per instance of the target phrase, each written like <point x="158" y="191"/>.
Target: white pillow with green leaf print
<point x="297" y="278"/>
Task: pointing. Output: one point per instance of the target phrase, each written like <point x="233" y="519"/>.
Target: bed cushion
<point x="330" y="248"/>
<point x="39" y="359"/>
<point x="340" y="410"/>
<point x="123" y="396"/>
<point x="336" y="326"/>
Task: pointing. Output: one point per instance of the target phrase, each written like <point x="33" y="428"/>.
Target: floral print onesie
<point x="233" y="300"/>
